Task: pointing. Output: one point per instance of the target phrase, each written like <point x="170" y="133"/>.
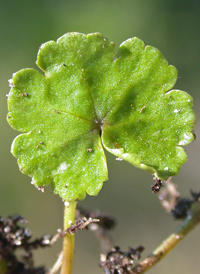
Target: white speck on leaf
<point x="10" y="82"/>
<point x="66" y="204"/>
<point x="58" y="67"/>
<point x="62" y="167"/>
<point x="185" y="141"/>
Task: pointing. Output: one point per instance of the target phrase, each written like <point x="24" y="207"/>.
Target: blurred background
<point x="171" y="26"/>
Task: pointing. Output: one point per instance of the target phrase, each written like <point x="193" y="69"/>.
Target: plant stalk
<point x="191" y="221"/>
<point x="68" y="241"/>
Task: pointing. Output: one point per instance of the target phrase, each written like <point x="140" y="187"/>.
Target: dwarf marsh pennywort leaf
<point x="86" y="99"/>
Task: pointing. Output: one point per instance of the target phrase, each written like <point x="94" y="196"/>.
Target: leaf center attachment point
<point x="98" y="125"/>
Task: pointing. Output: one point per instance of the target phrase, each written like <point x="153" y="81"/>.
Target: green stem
<point x="68" y="241"/>
<point x="159" y="253"/>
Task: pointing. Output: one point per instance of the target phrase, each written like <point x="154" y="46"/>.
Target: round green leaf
<point x="88" y="97"/>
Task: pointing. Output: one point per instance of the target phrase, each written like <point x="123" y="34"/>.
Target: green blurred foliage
<point x="172" y="27"/>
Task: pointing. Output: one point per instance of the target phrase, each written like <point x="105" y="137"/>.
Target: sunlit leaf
<point x="88" y="99"/>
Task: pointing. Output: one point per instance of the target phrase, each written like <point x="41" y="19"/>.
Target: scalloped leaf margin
<point x="86" y="99"/>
